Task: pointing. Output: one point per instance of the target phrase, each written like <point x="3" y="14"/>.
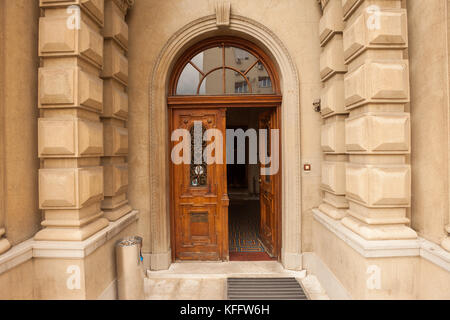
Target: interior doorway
<point x="243" y="181"/>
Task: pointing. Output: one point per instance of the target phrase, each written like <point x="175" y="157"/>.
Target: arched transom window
<point x="224" y="67"/>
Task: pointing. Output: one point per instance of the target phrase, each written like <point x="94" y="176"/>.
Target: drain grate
<point x="265" y="289"/>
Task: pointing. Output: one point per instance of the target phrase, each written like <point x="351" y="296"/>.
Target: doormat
<point x="264" y="289"/>
<point x="250" y="256"/>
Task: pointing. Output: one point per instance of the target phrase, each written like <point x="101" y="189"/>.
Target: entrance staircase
<point x="208" y="280"/>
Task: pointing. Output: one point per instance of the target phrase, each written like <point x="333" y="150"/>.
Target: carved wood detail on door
<point x="199" y="190"/>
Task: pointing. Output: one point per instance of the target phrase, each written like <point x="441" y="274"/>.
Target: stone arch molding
<point x="160" y="257"/>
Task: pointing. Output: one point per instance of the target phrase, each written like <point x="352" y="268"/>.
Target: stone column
<point x="115" y="112"/>
<point x="332" y="70"/>
<point x="70" y="130"/>
<point x="377" y="132"/>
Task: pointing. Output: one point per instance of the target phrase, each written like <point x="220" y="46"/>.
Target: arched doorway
<point x="160" y="257"/>
<point x="231" y="205"/>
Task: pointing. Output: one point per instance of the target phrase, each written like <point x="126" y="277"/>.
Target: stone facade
<point x="84" y="138"/>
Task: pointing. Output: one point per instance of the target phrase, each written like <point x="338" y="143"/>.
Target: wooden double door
<point x="199" y="206"/>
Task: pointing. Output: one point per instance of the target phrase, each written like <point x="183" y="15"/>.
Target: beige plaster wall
<point x="428" y="54"/>
<point x="50" y="279"/>
<point x="17" y="284"/>
<point x="401" y="277"/>
<point x="98" y="271"/>
<point x="46" y="278"/>
<point x="398" y="275"/>
<point x="100" y="267"/>
<point x="153" y="22"/>
<point x="18" y="74"/>
<point x="433" y="281"/>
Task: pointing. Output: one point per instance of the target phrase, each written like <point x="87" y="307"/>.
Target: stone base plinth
<point x="377" y="269"/>
<point x="66" y="270"/>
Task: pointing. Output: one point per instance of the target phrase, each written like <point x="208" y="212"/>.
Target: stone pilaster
<point x="4" y="243"/>
<point x="115" y="113"/>
<point x="70" y="130"/>
<point x="332" y="70"/>
<point x="446" y="240"/>
<point x="377" y="131"/>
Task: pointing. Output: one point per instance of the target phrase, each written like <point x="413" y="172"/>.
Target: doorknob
<point x="260" y="180"/>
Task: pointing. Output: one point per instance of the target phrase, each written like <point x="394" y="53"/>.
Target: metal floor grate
<point x="264" y="289"/>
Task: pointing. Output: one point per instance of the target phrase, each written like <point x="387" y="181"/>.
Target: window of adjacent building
<point x="264" y="82"/>
<point x="223" y="70"/>
<point x="241" y="87"/>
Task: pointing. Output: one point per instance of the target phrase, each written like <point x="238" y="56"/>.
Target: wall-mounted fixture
<point x="317" y="105"/>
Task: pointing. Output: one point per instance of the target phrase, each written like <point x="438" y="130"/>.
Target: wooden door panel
<point x="198" y="226"/>
<point x="269" y="190"/>
<point x="200" y="209"/>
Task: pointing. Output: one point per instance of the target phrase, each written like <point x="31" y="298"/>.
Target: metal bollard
<point x="130" y="273"/>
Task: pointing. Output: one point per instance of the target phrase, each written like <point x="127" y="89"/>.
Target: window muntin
<point x="224" y="70"/>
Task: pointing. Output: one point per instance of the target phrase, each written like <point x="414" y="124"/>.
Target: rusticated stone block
<point x="116" y="140"/>
<point x="58" y="86"/>
<point x="385" y="29"/>
<point x="114" y="202"/>
<point x="336" y="201"/>
<point x="380" y="185"/>
<point x="332" y="58"/>
<point x="378" y="133"/>
<point x="378" y="216"/>
<point x="72" y="188"/>
<point x="57" y="138"/>
<point x="68" y="88"/>
<point x="333" y="135"/>
<point x="91" y="44"/>
<point x="115" y="63"/>
<point x="349" y="6"/>
<point x="90" y="91"/>
<point x="116" y="179"/>
<point x="115" y="26"/>
<point x="332" y="97"/>
<point x="64" y="138"/>
<point x="379" y="232"/>
<point x="115" y="101"/>
<point x="333" y="177"/>
<point x="95" y="8"/>
<point x="331" y="21"/>
<point x="377" y="81"/>
<point x="56" y="39"/>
